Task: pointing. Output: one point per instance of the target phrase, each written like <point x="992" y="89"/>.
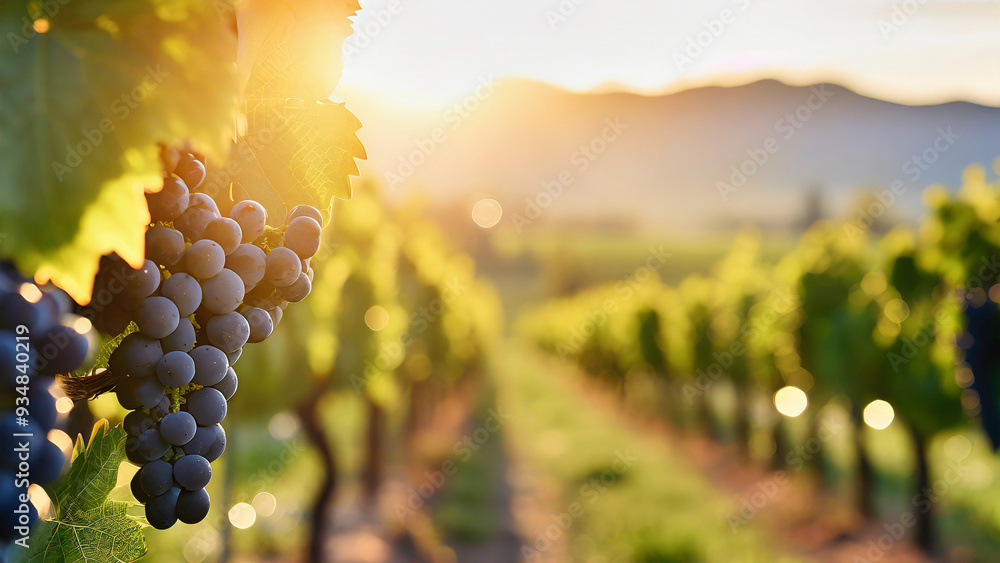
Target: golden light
<point x="376" y="317"/>
<point x="958" y="447"/>
<point x="879" y="414"/>
<point x="30" y="292"/>
<point x="873" y="284"/>
<point x="264" y="503"/>
<point x="242" y="515"/>
<point x="283" y="425"/>
<point x="64" y="405"/>
<point x="39" y="498"/>
<point x="791" y="401"/>
<point x="897" y="310"/>
<point x="487" y="213"/>
<point x="126" y="471"/>
<point x="41" y="25"/>
<point x="82" y="325"/>
<point x="61" y="439"/>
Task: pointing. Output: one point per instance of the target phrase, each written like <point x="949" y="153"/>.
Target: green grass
<point x="657" y="508"/>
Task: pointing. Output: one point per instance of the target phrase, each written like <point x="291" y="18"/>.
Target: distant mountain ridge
<point x="675" y="160"/>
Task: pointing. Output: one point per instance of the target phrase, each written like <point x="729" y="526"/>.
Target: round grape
<point x="151" y="445"/>
<point x="223" y="293"/>
<point x="261" y="324"/>
<point x="207" y="406"/>
<point x="203" y="440"/>
<point x="192" y="472"/>
<point x="210" y="365"/>
<point x="252" y="218"/>
<point x="43" y="404"/>
<point x="204" y="259"/>
<point x="304" y="211"/>
<point x="200" y="212"/>
<point x="147" y="391"/>
<point x="164" y="246"/>
<point x="219" y="446"/>
<point x="161" y="511"/>
<point x="192" y="506"/>
<point x="157" y="317"/>
<point x="226" y="232"/>
<point x="178" y="428"/>
<point x="136" y="486"/>
<point x="60" y="350"/>
<point x="47" y="464"/>
<point x="190" y="170"/>
<point x="136" y="355"/>
<point x="248" y="261"/>
<point x="142" y="282"/>
<point x="137" y="422"/>
<point x="175" y="369"/>
<point x="185" y="291"/>
<point x="182" y="339"/>
<point x="297" y="291"/>
<point x="283" y="267"/>
<point x="228" y="384"/>
<point x="228" y="332"/>
<point x="303" y="237"/>
<point x="168" y="203"/>
<point x="156" y="478"/>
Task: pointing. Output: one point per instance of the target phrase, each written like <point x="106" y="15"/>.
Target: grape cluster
<point x="36" y="344"/>
<point x="210" y="284"/>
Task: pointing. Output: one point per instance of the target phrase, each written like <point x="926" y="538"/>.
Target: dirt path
<point x="814" y="525"/>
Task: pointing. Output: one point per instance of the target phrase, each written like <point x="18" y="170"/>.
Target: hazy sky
<point x="909" y="51"/>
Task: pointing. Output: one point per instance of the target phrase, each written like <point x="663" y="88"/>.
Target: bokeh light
<point x="283" y="425"/>
<point x="879" y="414"/>
<point x="376" y="317"/>
<point x="264" y="504"/>
<point x="791" y="401"/>
<point x="487" y="213"/>
<point x="242" y="515"/>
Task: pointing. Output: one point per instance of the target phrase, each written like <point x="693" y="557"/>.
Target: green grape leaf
<point x="107" y="347"/>
<point x="292" y="49"/>
<point x="295" y="145"/>
<point x="295" y="155"/>
<point x="82" y="107"/>
<point x="87" y="527"/>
